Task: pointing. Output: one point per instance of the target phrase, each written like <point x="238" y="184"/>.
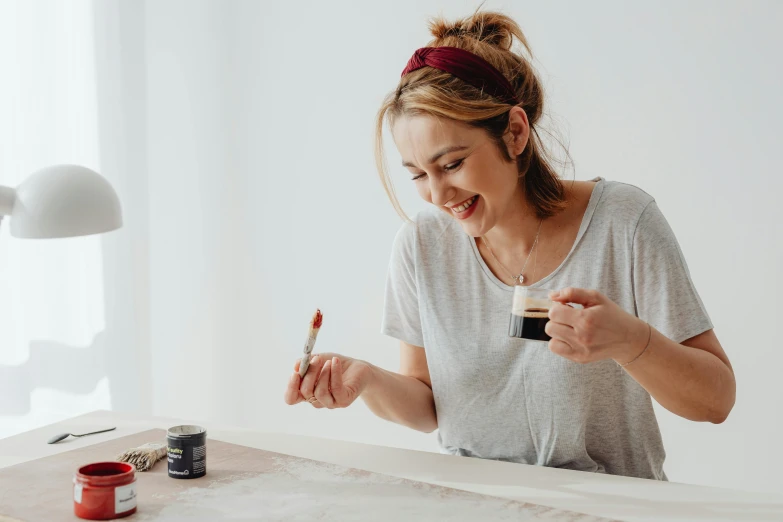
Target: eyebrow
<point x="434" y="158"/>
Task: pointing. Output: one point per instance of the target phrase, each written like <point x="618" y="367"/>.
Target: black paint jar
<point x="187" y="452"/>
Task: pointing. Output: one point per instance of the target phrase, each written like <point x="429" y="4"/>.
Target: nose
<point x="441" y="192"/>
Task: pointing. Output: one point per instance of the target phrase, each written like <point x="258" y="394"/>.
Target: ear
<point x="518" y="131"/>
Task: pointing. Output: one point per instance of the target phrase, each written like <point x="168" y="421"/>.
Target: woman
<point x="464" y="118"/>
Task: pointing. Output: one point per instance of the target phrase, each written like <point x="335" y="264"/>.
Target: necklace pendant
<point x="521" y="278"/>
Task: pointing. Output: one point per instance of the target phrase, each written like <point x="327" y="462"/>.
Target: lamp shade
<point x="61" y="201"/>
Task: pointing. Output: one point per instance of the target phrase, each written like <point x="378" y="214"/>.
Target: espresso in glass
<point x="530" y="313"/>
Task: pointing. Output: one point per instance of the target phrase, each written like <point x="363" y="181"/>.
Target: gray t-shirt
<point x="512" y="399"/>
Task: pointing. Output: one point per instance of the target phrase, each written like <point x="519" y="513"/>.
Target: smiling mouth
<point x="459" y="209"/>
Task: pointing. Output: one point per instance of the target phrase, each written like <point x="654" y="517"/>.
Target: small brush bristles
<point x="143" y="458"/>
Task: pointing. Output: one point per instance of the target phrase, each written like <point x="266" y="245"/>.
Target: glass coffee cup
<point x="530" y="313"/>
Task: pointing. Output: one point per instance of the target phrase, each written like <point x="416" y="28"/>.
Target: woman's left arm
<point x="693" y="379"/>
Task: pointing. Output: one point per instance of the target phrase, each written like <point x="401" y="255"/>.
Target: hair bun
<point x="492" y="28"/>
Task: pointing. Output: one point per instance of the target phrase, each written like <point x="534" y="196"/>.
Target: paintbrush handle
<point x="308" y="350"/>
<point x="158" y="447"/>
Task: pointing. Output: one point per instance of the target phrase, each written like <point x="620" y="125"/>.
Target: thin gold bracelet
<point x="623" y="365"/>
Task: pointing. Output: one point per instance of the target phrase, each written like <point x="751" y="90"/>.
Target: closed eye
<point x="448" y="168"/>
<point x="453" y="166"/>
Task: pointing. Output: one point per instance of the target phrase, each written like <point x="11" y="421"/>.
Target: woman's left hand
<point x="601" y="330"/>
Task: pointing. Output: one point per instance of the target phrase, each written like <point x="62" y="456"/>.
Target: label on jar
<point x="124" y="498"/>
<point x="187" y="462"/>
<point x="77" y="493"/>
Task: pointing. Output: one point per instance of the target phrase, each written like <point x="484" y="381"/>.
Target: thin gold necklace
<point x="518" y="279"/>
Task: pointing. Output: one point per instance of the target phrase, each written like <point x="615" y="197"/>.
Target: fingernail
<point x="314" y="359"/>
<point x="335" y="360"/>
<point x="554" y="294"/>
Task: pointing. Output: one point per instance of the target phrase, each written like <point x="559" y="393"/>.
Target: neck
<point x="513" y="235"/>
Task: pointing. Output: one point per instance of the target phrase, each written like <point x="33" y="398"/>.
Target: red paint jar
<point x="104" y="490"/>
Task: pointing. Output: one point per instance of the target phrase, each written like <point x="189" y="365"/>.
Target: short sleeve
<point x="664" y="293"/>
<point x="401" y="318"/>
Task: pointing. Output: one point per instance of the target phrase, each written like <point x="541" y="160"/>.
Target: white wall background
<point x="239" y="136"/>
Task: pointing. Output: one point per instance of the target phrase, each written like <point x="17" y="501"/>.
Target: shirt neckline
<point x="595" y="196"/>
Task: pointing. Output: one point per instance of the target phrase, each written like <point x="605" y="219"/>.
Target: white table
<point x="609" y="496"/>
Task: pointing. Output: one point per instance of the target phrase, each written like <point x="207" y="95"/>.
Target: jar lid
<point x="106" y="473"/>
<point x="186" y="431"/>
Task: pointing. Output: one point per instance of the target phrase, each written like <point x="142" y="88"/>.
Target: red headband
<point x="466" y="66"/>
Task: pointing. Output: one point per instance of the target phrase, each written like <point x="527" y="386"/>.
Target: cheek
<point x="488" y="180"/>
<point x="499" y="190"/>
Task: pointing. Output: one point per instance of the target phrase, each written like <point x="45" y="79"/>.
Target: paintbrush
<point x="315" y="326"/>
<point x="143" y="457"/>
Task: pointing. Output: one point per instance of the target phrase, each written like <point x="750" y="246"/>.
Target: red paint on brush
<point x="318" y="319"/>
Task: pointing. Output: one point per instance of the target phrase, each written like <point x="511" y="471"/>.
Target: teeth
<point x="465" y="205"/>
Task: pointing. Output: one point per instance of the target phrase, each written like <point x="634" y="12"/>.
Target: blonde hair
<point x="432" y="92"/>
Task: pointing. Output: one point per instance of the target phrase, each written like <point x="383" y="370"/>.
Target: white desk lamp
<point x="61" y="201"/>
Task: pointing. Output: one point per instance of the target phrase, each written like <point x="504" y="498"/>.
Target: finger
<point x="563" y="314"/>
<point x="322" y="392"/>
<point x="315" y="404"/>
<point x="339" y="392"/>
<point x="561" y="348"/>
<point x="311" y="377"/>
<point x="297" y="364"/>
<point x="580" y="296"/>
<point x="561" y="332"/>
<point x="292" y="395"/>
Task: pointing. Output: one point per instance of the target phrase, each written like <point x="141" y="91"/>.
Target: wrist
<point x="637" y="337"/>
<point x="371" y="379"/>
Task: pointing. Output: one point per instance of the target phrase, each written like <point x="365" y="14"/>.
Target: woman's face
<point x="460" y="169"/>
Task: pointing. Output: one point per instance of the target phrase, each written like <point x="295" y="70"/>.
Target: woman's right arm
<point x="337" y="381"/>
<point x="406" y="397"/>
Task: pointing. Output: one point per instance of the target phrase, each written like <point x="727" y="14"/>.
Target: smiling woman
<point x="464" y="118"/>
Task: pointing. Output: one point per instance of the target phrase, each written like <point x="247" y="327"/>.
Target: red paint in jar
<point x="104" y="490"/>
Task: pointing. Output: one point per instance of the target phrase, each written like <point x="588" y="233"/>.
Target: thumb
<point x="582" y="296"/>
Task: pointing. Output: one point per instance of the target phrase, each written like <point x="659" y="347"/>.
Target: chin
<point x="473" y="229"/>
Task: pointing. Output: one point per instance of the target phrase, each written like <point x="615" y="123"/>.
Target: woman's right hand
<point x="332" y="381"/>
